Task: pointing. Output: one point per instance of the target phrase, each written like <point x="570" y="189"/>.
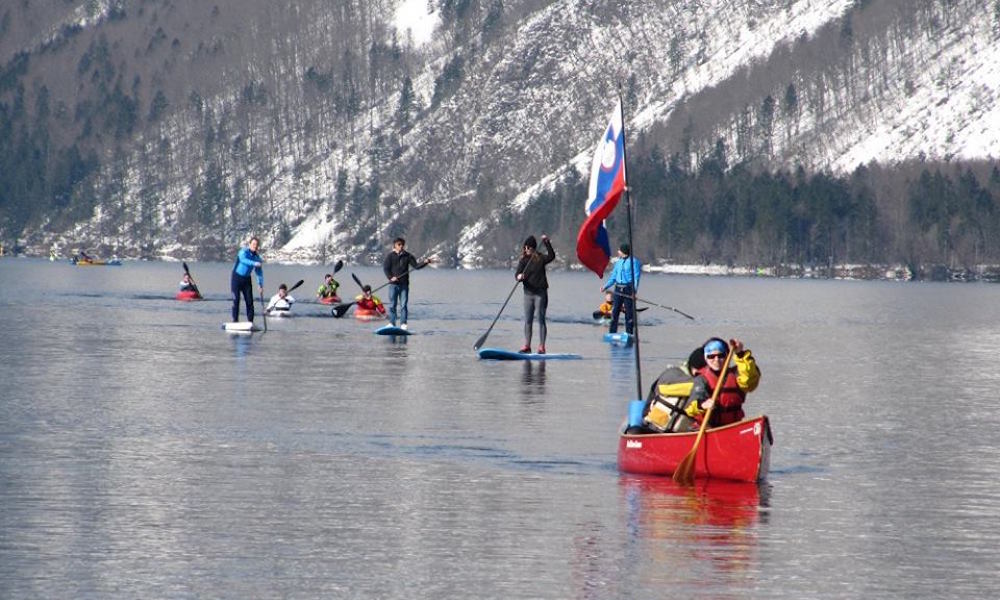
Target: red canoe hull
<point x="188" y="296"/>
<point x="739" y="452"/>
<point x="330" y="300"/>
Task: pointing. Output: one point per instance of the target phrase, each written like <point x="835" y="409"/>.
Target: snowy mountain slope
<point x="262" y="119"/>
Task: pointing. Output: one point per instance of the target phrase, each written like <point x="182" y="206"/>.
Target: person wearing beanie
<point x="531" y="273"/>
<point x="741" y="378"/>
<point x="624" y="284"/>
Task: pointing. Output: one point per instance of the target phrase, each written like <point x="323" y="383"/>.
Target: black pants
<point x="241" y="285"/>
<point x="623" y="299"/>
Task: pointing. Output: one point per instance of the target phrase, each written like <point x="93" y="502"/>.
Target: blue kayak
<point x="619" y="339"/>
<point x="498" y="354"/>
<point x="391" y="330"/>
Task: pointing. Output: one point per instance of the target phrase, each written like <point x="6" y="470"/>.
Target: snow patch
<point x="412" y="19"/>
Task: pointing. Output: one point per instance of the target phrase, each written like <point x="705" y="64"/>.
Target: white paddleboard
<point x="240" y="327"/>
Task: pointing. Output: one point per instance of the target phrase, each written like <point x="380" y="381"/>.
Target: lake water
<point x="145" y="453"/>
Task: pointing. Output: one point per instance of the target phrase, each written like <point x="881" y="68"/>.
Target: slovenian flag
<point x="607" y="182"/>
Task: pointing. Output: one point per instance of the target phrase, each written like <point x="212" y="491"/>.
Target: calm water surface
<point x="145" y="453"/>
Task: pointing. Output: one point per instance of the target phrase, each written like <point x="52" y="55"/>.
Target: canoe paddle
<point x="482" y="340"/>
<point x="188" y="273"/>
<point x="680" y="312"/>
<point x="264" y="307"/>
<point x="684" y="473"/>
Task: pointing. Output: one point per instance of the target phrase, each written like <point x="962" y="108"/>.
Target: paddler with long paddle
<point x="247" y="261"/>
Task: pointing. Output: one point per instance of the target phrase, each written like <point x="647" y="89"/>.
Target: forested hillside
<point x="761" y="132"/>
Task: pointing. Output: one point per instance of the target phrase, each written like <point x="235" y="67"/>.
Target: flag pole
<point x="635" y="286"/>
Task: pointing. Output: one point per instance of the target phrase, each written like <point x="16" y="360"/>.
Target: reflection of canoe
<point x="366" y="314"/>
<point x="669" y="511"/>
<point x="739" y="451"/>
<point x="188" y="295"/>
<point x="330" y="300"/>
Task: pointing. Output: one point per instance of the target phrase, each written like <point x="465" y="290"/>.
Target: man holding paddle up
<point x="737" y="381"/>
<point x="397" y="267"/>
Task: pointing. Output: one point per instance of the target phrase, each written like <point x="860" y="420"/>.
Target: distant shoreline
<point x="860" y="271"/>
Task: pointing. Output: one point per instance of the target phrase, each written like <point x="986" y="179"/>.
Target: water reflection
<point x="241" y="344"/>
<point x="533" y="379"/>
<point x="682" y="530"/>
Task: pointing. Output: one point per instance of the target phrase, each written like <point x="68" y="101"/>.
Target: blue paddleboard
<point x="619" y="339"/>
<point x="498" y="354"/>
<point x="391" y="330"/>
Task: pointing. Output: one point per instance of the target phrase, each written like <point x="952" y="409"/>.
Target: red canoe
<point x="738" y="451"/>
<point x="188" y="296"/>
<point x="330" y="300"/>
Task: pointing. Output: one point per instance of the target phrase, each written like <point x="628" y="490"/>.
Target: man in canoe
<point x="740" y="379"/>
<point x="280" y="302"/>
<point x="368" y="301"/>
<point x="624" y="282"/>
<point x="328" y="291"/>
<point x="187" y="285"/>
<point x="397" y="266"/>
<point x="247" y="260"/>
<point x="604" y="310"/>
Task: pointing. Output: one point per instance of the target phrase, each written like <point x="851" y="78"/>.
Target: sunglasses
<point x="713" y="357"/>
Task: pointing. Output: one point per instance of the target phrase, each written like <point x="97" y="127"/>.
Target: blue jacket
<point x="621" y="274"/>
<point x="246" y="261"/>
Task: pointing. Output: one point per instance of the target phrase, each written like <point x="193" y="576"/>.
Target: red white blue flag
<point x="607" y="183"/>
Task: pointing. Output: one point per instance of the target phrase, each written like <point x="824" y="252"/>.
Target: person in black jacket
<point x="531" y="273"/>
<point x="397" y="267"/>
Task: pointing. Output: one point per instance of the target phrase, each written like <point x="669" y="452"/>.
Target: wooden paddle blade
<point x="338" y="266"/>
<point x="684" y="473"/>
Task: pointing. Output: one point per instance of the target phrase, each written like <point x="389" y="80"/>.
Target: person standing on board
<point x="739" y="380"/>
<point x="247" y="260"/>
<point x="397" y="266"/>
<point x="531" y="273"/>
<point x="624" y="281"/>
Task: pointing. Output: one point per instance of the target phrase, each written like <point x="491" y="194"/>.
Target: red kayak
<point x="738" y="451"/>
<point x="188" y="296"/>
<point x="366" y="314"/>
<point x="330" y="300"/>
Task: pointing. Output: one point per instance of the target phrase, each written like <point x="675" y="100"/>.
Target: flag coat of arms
<point x="607" y="183"/>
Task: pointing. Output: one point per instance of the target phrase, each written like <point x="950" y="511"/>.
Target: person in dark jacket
<point x="531" y="273"/>
<point x="397" y="266"/>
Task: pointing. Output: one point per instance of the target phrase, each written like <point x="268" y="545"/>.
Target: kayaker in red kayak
<point x="369" y="302"/>
<point x="187" y="285"/>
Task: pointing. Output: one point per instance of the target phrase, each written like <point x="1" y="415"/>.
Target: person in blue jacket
<point x="624" y="279"/>
<point x="247" y="260"/>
